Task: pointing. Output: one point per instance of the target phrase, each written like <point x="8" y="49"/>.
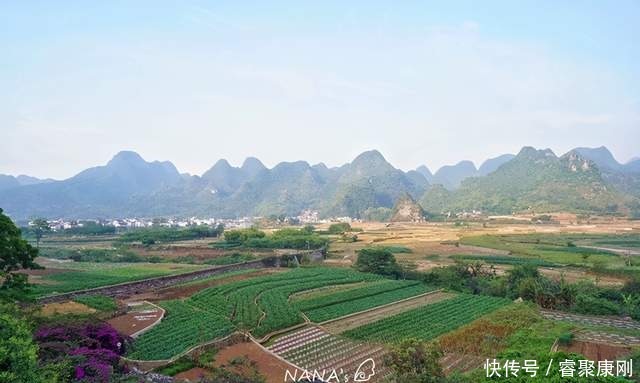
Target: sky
<point x="426" y="83"/>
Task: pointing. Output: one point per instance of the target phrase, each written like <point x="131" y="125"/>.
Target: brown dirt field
<point x="342" y="325"/>
<point x="272" y="368"/>
<point x="426" y="239"/>
<point x="133" y="322"/>
<point x="66" y="308"/>
<point x="597" y="351"/>
<point x="575" y="275"/>
<point x="193" y="375"/>
<point x="177" y="292"/>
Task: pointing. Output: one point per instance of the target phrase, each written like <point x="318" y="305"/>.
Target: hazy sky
<point x="424" y="82"/>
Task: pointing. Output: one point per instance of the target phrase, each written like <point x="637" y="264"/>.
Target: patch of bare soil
<point x="576" y="275"/>
<point x="133" y="322"/>
<point x="66" y="308"/>
<point x="597" y="351"/>
<point x="195" y="374"/>
<point x="357" y="320"/>
<point x="177" y="292"/>
<point x="272" y="368"/>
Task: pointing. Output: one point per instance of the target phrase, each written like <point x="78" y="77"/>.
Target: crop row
<point x="183" y="327"/>
<point x="429" y="321"/>
<point x="353" y="294"/>
<point x="259" y="305"/>
<point x="338" y="310"/>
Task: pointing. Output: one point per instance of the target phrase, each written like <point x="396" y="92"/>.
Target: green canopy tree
<point x="378" y="261"/>
<point x="40" y="226"/>
<point x="18" y="353"/>
<point x="15" y="254"/>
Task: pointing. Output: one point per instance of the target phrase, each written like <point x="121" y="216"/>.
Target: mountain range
<point x="582" y="180"/>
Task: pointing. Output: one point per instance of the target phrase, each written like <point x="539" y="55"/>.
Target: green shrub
<point x="587" y="304"/>
<point x="565" y="339"/>
<point x="339" y="228"/>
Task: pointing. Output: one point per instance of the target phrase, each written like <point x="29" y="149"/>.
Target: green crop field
<point x="506" y="260"/>
<point x="352" y="301"/>
<point x="87" y="275"/>
<point x="259" y="305"/>
<point x="562" y="249"/>
<point x="429" y="321"/>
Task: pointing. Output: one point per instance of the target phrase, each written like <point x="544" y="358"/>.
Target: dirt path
<point x="614" y="250"/>
<point x="618" y="322"/>
<point x="357" y="320"/>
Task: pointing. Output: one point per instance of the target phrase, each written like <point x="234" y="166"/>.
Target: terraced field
<point x="429" y="321"/>
<point x="260" y="306"/>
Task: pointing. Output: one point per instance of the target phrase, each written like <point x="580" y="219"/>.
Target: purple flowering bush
<point x="93" y="349"/>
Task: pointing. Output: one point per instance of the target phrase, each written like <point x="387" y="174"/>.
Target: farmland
<point x="428" y="322"/>
<point x="330" y="315"/>
<point x="258" y="305"/>
<point x="347" y="303"/>
<point x="316" y="350"/>
<point x="73" y="276"/>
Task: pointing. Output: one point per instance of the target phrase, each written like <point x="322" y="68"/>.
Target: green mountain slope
<point x="535" y="180"/>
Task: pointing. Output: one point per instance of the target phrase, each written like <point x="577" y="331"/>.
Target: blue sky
<point x="424" y="82"/>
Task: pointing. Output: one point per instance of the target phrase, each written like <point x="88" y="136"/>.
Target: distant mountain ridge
<point x="130" y="186"/>
<point x="450" y="176"/>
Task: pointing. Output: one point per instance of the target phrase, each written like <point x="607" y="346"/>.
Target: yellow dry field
<point x="432" y="244"/>
<point x="66" y="308"/>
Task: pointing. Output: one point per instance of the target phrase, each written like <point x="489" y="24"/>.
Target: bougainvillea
<point x="94" y="349"/>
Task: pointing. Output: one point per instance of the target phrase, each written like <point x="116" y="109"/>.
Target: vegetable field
<point x="316" y="350"/>
<point x="87" y="275"/>
<point x="352" y="301"/>
<point x="430" y="321"/>
<point x="258" y="305"/>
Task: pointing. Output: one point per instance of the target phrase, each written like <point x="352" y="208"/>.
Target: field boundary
<point x="152" y="325"/>
<point x="381" y="306"/>
<point x="274" y="354"/>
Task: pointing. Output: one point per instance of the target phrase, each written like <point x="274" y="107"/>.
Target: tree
<point x="377" y="261"/>
<point x="339" y="228"/>
<point x="40" y="226"/>
<point x="18" y="353"/>
<point x="15" y="254"/>
<point x="415" y="362"/>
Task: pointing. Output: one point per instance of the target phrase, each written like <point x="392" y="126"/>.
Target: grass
<point x="87" y="275"/>
<point x="98" y="302"/>
<point x="535" y="340"/>
<point x="231" y="259"/>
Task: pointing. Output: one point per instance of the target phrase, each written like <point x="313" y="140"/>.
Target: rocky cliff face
<point x="407" y="210"/>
